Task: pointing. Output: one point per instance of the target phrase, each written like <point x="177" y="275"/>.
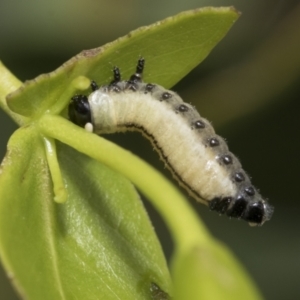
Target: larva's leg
<point x="94" y="86"/>
<point x="113" y="86"/>
<point x="137" y="77"/>
<point x="117" y="76"/>
<point x="140" y="66"/>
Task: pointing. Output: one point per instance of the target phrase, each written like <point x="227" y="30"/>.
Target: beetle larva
<point x="187" y="143"/>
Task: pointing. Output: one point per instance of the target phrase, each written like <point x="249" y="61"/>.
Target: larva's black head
<point x="79" y="110"/>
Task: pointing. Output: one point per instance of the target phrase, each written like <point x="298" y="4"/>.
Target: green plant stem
<point x="59" y="188"/>
<point x="8" y="84"/>
<point x="180" y="218"/>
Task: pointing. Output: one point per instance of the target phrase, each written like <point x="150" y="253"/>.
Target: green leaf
<point x="209" y="271"/>
<point x="8" y="84"/>
<point x="202" y="268"/>
<point x="172" y="48"/>
<point x="98" y="245"/>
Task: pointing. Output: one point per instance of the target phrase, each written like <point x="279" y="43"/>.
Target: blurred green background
<point x="249" y="88"/>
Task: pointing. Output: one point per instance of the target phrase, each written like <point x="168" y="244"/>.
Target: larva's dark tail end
<point x="258" y="213"/>
<point x="255" y="213"/>
<point x="137" y="77"/>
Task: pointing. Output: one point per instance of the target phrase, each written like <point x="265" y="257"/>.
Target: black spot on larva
<point x="199" y="124"/>
<point x="183" y="108"/>
<point x="166" y="95"/>
<point x="238" y="207"/>
<point x="239" y="177"/>
<point x="220" y="205"/>
<point x="149" y="87"/>
<point x="250" y="191"/>
<point x="227" y="159"/>
<point x="255" y="213"/>
<point x="213" y="142"/>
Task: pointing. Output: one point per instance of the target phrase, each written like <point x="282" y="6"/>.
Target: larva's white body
<point x="187" y="155"/>
<point x="197" y="157"/>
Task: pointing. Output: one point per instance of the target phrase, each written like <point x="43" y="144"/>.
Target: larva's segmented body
<point x="187" y="143"/>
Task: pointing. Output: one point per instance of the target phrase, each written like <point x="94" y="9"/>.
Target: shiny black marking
<point x="238" y="208"/>
<point x="166" y="95"/>
<point x="199" y="124"/>
<point x="239" y="177"/>
<point x="250" y="191"/>
<point x="213" y="142"/>
<point x="183" y="108"/>
<point x="227" y="159"/>
<point x="255" y="213"/>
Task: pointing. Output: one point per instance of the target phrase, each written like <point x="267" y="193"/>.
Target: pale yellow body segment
<point x="185" y="154"/>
